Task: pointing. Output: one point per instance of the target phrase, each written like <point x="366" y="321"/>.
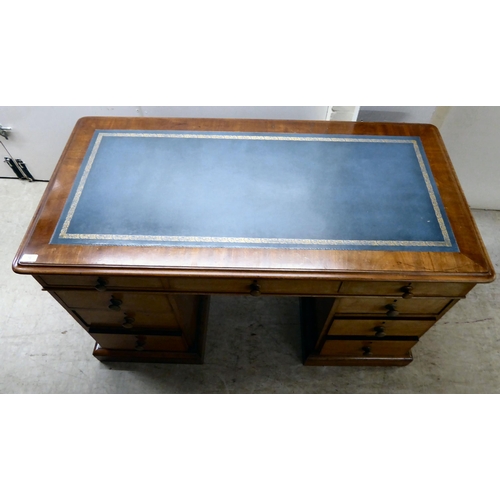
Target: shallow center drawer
<point x="264" y="286"/>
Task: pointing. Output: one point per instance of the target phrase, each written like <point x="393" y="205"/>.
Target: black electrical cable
<point x="19" y="179"/>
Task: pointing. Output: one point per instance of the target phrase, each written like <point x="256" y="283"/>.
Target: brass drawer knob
<point x="392" y="312"/>
<point x="114" y="304"/>
<point x="379" y="331"/>
<point x="255" y="289"/>
<point x="101" y="285"/>
<point x="407" y="292"/>
<point x="367" y="351"/>
<point x="127" y="322"/>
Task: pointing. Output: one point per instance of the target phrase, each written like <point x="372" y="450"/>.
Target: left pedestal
<point x="132" y="318"/>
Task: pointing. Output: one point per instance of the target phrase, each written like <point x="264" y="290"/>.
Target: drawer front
<point x="381" y="328"/>
<point x="391" y="307"/>
<point x="118" y="301"/>
<point x="140" y="342"/>
<point x="128" y="319"/>
<point x="400" y="288"/>
<point x="101" y="282"/>
<point x="253" y="287"/>
<point x="201" y="285"/>
<point x="368" y="348"/>
<point x="299" y="287"/>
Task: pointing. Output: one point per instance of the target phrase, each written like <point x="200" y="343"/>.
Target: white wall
<point x="472" y="138"/>
<point x="471" y="134"/>
<point x="400" y="114"/>
<point x="39" y="133"/>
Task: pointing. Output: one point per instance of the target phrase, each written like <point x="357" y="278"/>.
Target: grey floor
<point x="253" y="344"/>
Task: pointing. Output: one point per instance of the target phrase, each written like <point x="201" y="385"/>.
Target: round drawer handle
<point x="392" y="312"/>
<point x="367" y="351"/>
<point x="127" y="322"/>
<point x="140" y="343"/>
<point x="407" y="292"/>
<point x="255" y="289"/>
<point x="379" y="331"/>
<point x="101" y="285"/>
<point x="114" y="304"/>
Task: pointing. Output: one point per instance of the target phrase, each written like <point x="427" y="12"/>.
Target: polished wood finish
<point x="398" y="288"/>
<point x="470" y="265"/>
<point x="389" y="307"/>
<point x="368" y="348"/>
<point x="161" y="288"/>
<point x="369" y="327"/>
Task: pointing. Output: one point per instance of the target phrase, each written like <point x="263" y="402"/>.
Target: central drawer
<point x="255" y="287"/>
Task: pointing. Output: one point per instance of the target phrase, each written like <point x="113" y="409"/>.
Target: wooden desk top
<point x="393" y="183"/>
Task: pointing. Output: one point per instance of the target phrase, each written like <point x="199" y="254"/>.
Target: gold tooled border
<point x="64" y="234"/>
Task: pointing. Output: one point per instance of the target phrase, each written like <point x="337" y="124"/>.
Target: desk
<point x="145" y="218"/>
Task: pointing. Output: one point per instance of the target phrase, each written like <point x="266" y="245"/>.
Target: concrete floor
<point x="253" y="344"/>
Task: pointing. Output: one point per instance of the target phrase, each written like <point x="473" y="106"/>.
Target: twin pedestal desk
<point x="144" y="219"/>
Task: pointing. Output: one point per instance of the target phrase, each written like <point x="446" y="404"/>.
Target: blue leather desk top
<point x="263" y="190"/>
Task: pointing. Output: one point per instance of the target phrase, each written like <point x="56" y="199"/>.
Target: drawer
<point x="140" y="342"/>
<point x="299" y="287"/>
<point x="391" y="307"/>
<point x="101" y="282"/>
<point x="368" y="348"/>
<point x="117" y="301"/>
<point x="127" y="319"/>
<point x="400" y="288"/>
<point x="378" y="327"/>
<point x="253" y="287"/>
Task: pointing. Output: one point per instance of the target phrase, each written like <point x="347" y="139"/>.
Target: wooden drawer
<point x="127" y="319"/>
<point x="391" y="307"/>
<point x="253" y="287"/>
<point x="368" y="348"/>
<point x="398" y="288"/>
<point x="299" y="287"/>
<point x="119" y="301"/>
<point x="371" y="327"/>
<point x="140" y="342"/>
<point x="104" y="282"/>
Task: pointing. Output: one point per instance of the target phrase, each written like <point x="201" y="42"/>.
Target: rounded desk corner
<point x="82" y="120"/>
<point x="433" y="128"/>
<point x="17" y="268"/>
<point x="23" y="267"/>
<point x="492" y="276"/>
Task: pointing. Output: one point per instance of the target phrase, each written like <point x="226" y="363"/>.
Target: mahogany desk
<point x="145" y="218"/>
